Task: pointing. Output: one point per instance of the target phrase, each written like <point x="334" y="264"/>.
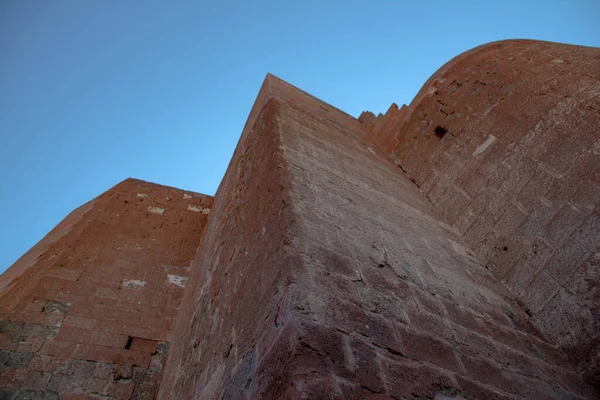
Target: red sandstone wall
<point x="88" y="312"/>
<point x="231" y="314"/>
<point x="242" y="273"/>
<point x="326" y="274"/>
<point x="323" y="272"/>
<point x="380" y="127"/>
<point x="518" y="175"/>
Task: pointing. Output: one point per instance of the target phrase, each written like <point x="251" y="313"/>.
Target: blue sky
<point x="95" y="91"/>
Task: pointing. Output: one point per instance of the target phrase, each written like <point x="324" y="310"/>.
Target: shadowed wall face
<point x="504" y="140"/>
<point x="325" y="273"/>
<point x="393" y="302"/>
<point x="236" y="306"/>
<point x="92" y="307"/>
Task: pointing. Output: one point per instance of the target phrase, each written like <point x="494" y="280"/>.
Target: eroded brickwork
<point x="505" y="141"/>
<point x="89" y="311"/>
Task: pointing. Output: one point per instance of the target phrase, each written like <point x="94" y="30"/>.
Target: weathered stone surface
<point x="324" y="273"/>
<point x="444" y="250"/>
<point x="525" y="114"/>
<point x="67" y="322"/>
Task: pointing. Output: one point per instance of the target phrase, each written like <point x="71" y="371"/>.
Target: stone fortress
<point x="449" y="249"/>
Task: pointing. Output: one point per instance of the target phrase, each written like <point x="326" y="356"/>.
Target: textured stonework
<point x="518" y="175"/>
<point x="90" y="310"/>
<point x="445" y="250"/>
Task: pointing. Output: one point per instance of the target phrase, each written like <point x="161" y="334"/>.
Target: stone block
<point x="588" y="234"/>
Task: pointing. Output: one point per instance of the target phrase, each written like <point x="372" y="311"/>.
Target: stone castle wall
<point x="515" y="168"/>
<point x="327" y="274"/>
<point x="89" y="312"/>
<point x="447" y="249"/>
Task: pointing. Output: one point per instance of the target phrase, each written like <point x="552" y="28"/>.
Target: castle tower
<point x="447" y="249"/>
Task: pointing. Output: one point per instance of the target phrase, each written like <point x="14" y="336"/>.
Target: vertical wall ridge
<point x="239" y="319"/>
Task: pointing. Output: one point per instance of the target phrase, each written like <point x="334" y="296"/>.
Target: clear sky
<point x="95" y="91"/>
